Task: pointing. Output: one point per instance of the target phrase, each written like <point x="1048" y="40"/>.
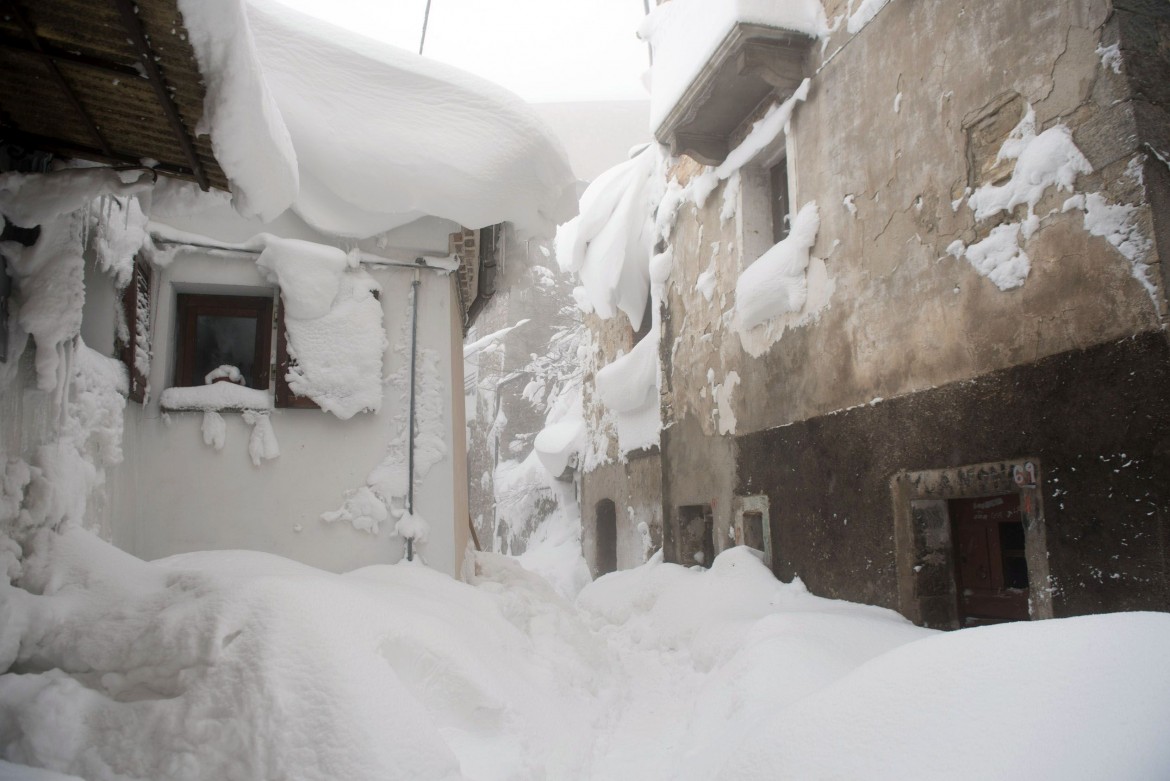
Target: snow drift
<point x="244" y="665"/>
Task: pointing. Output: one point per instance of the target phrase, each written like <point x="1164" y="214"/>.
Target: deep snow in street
<point x="237" y="665"/>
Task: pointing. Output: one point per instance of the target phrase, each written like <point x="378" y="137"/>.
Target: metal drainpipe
<point x="414" y="288"/>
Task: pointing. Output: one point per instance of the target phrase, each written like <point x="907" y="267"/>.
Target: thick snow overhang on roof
<point x="383" y="136"/>
<point x="356" y="136"/>
<point x="113" y="81"/>
<point x="716" y="60"/>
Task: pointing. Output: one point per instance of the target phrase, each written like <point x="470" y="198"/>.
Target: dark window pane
<point x="223" y="340"/>
<point x="753" y="530"/>
<point x="778" y="180"/>
<point x="1015" y="563"/>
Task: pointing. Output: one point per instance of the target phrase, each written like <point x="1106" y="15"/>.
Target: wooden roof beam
<point x="73" y="58"/>
<point x="71" y="149"/>
<point x="30" y="34"/>
<point x="133" y="26"/>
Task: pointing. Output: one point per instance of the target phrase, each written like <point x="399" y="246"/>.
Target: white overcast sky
<point x="543" y="50"/>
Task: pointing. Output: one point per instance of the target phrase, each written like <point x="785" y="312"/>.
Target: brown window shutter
<point x="136" y="310"/>
<point x="284" y="396"/>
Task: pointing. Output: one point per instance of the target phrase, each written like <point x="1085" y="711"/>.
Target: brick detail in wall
<point x="465" y="246"/>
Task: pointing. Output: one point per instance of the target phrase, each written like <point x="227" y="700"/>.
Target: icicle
<point x="86" y="218"/>
<point x="64" y="381"/>
<point x="214" y="429"/>
<point x="262" y="445"/>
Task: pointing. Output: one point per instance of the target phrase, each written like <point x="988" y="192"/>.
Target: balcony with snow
<point x="716" y="61"/>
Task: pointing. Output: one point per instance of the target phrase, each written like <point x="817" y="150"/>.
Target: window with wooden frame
<point x="218" y="330"/>
<point x="133" y="344"/>
<point x="778" y="184"/>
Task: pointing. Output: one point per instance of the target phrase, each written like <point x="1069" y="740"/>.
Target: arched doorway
<point x="606" y="526"/>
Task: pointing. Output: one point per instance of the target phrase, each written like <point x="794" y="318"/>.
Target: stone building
<point x="944" y="387"/>
<point x="520" y="381"/>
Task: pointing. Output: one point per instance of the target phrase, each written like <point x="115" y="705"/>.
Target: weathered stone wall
<point x="502" y="421"/>
<point x="1095" y="420"/>
<point x="464" y="245"/>
<point x="901" y="315"/>
<point x="901" y="121"/>
<point x="635" y="489"/>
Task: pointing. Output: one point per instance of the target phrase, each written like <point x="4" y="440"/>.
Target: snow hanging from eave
<point x="609" y="245"/>
<point x="684" y="34"/>
<point x="248" y="133"/>
<point x="383" y="136"/>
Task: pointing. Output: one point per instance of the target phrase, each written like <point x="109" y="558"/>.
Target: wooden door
<point x="991" y="570"/>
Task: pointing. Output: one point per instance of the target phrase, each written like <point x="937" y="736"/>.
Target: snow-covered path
<point x="235" y="665"/>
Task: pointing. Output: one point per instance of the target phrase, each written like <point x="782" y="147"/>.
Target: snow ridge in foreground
<point x="245" y="665"/>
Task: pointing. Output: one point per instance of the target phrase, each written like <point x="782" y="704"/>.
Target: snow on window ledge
<point x="217" y="396"/>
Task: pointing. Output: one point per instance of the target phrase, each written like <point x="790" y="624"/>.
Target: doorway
<point x="991" y="565"/>
<point x="606" y="551"/>
<point x="971" y="544"/>
<point x="696" y="535"/>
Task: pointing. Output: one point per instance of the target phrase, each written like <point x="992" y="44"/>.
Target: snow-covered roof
<point x="358" y="136"/>
<point x="129" y="86"/>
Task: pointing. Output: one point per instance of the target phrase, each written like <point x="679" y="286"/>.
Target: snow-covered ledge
<point x="715" y="61"/>
<point x="217" y="396"/>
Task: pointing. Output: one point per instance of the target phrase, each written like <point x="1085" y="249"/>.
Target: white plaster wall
<point x="176" y="494"/>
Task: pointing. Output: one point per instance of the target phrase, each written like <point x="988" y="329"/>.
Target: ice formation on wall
<point x="59" y="483"/>
<point x="385" y="490"/>
<point x="334" y="324"/>
<point x="999" y="256"/>
<point x="50" y="273"/>
<point x="685" y="33"/>
<point x="1110" y="57"/>
<point x="118" y="231"/>
<point x="1117" y="224"/>
<point x="214" y="429"/>
<point x="262" y="444"/>
<point x="721" y="393"/>
<point x="1042" y="161"/>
